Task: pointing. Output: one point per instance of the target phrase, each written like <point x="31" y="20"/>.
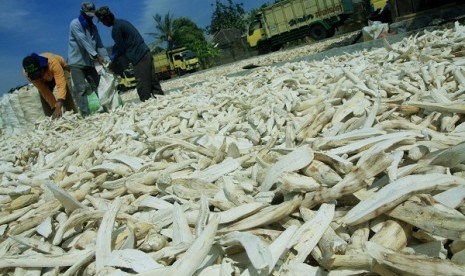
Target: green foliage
<point x="205" y="51"/>
<point x="186" y="32"/>
<point x="227" y="16"/>
<point x="183" y="32"/>
<point x="164" y="30"/>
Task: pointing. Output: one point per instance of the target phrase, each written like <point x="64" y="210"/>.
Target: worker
<point x="85" y="49"/>
<point x="47" y="71"/>
<point x="129" y="43"/>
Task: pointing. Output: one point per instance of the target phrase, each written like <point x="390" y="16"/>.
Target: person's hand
<point x="99" y="59"/>
<point x="57" y="113"/>
<point x="111" y="66"/>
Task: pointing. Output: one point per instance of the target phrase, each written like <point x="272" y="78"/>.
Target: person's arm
<point x="45" y="92"/>
<point x="56" y="68"/>
<point x="78" y="31"/>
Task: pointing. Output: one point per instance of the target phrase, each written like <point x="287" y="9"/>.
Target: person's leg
<point x="80" y="88"/>
<point x="69" y="103"/>
<point x="143" y="73"/>
<point x="93" y="78"/>
<point x="156" y="87"/>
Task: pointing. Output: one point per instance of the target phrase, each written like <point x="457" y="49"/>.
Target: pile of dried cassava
<point x="351" y="165"/>
<point x="262" y="60"/>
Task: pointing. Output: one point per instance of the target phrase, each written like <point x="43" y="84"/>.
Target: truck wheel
<point x="276" y="47"/>
<point x="180" y="72"/>
<point x="263" y="47"/>
<point x="331" y="32"/>
<point x="318" y="32"/>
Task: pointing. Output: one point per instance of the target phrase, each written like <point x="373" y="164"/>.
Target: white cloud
<point x="18" y="16"/>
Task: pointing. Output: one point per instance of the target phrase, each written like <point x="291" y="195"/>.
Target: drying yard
<point x="348" y="165"/>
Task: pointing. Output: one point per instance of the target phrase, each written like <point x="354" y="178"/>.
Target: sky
<point x="38" y="26"/>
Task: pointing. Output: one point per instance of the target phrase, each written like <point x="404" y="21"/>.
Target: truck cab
<point x="377" y="5"/>
<point x="255" y="33"/>
<point x="127" y="80"/>
<point x="184" y="60"/>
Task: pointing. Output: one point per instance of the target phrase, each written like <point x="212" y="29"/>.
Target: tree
<point x="186" y="32"/>
<point x="164" y="28"/>
<point x="227" y="16"/>
<point x="205" y="51"/>
<point x="182" y="32"/>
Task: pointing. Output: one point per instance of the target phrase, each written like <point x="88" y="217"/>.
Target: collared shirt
<point x="54" y="71"/>
<point x="84" y="43"/>
<point x="128" y="41"/>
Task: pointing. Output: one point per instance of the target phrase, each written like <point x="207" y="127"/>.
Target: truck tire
<point x="179" y="72"/>
<point x="275" y="48"/>
<point x="331" y="32"/>
<point x="263" y="47"/>
<point x="318" y="32"/>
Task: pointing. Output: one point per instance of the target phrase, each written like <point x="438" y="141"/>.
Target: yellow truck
<point x="377" y="5"/>
<point x="127" y="80"/>
<point x="289" y="20"/>
<point x="175" y="62"/>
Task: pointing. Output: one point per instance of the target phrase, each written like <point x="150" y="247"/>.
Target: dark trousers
<point x="85" y="81"/>
<point x="68" y="104"/>
<point x="147" y="81"/>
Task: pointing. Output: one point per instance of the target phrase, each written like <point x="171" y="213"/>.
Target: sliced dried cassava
<point x="351" y="183"/>
<point x="256" y="249"/>
<point x="412" y="264"/>
<point x="68" y="201"/>
<point x="322" y="173"/>
<point x="436" y="219"/>
<point x="37" y="245"/>
<point x="234" y="193"/>
<point x="133" y="259"/>
<point x="396" y="192"/>
<point x="60" y="260"/>
<point x="393" y="235"/>
<point x="293" y="161"/>
<point x="448" y="157"/>
<point x="181" y="230"/>
<point x="216" y="171"/>
<point x="452" y="198"/>
<point x="308" y="235"/>
<point x="192" y="259"/>
<point x="239" y="212"/>
<point x="111" y="167"/>
<point x="104" y="240"/>
<point x="265" y="216"/>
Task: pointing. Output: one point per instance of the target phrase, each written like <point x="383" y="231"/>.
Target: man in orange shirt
<point x="47" y="71"/>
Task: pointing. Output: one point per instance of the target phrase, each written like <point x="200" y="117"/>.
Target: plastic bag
<point x="374" y="30"/>
<point x="107" y="93"/>
<point x="93" y="103"/>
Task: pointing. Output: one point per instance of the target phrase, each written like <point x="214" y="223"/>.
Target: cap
<point x="102" y="12"/>
<point x="32" y="67"/>
<point x="88" y="8"/>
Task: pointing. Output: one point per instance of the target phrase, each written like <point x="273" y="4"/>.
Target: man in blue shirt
<point x="129" y="42"/>
<point x="85" y="48"/>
